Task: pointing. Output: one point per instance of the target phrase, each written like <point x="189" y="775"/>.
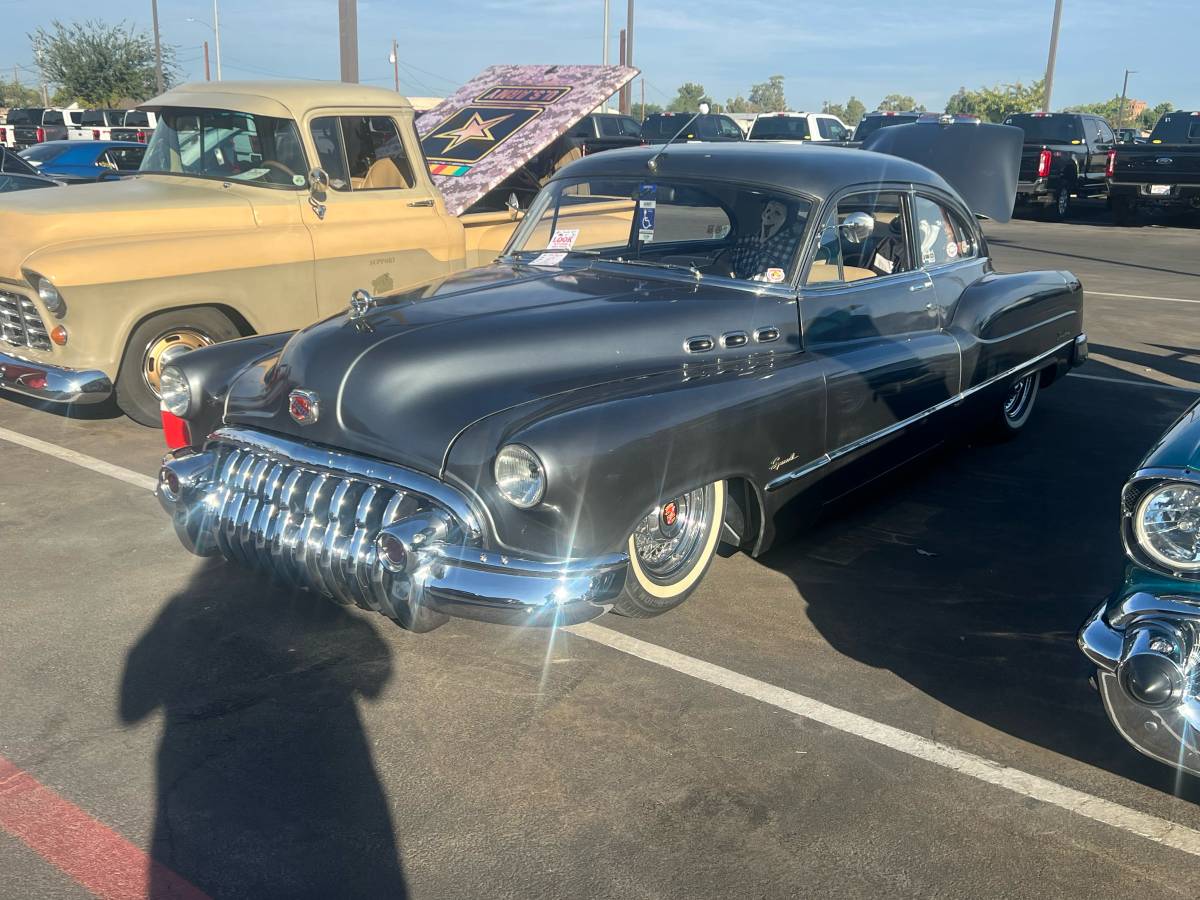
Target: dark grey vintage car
<point x="675" y="346"/>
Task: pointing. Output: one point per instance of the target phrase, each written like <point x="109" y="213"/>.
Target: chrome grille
<point x="309" y="526"/>
<point x="20" y="323"/>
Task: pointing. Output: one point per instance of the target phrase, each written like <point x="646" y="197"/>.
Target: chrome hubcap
<point x="1018" y="397"/>
<point x="167" y="347"/>
<point x="669" y="540"/>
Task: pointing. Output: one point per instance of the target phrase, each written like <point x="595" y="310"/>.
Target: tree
<point x="98" y="64"/>
<point x="15" y="94"/>
<point x="740" y="104"/>
<point x="769" y="96"/>
<point x="851" y="113"/>
<point x="993" y="103"/>
<point x="899" y="103"/>
<point x="647" y="109"/>
<point x="689" y="98"/>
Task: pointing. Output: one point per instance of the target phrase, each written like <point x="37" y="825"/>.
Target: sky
<point x="825" y="50"/>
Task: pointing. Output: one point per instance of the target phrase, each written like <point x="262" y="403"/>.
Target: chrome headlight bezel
<point x="51" y="297"/>
<point x="1139" y="492"/>
<point x="513" y="461"/>
<point x="174" y="391"/>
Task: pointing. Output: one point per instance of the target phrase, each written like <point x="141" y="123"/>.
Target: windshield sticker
<point x="548" y="259"/>
<point x="646" y="223"/>
<point x="299" y="180"/>
<point x="882" y="264"/>
<point x="774" y="275"/>
<point x="563" y="239"/>
<point x="952" y="249"/>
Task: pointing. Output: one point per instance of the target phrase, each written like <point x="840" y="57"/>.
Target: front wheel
<point x="671" y="550"/>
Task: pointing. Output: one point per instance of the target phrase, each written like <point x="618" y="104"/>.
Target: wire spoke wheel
<point x="1020" y="395"/>
<point x="669" y="540"/>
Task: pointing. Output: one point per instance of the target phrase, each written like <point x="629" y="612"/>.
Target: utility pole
<point x="348" y="39"/>
<point x="217" y="36"/>
<point x="643" y="99"/>
<point x="207" y="74"/>
<point x="604" y="54"/>
<point x="1053" y="53"/>
<point x="158" y="70"/>
<point x="1124" y="88"/>
<point x="623" y="94"/>
<point x="396" y="63"/>
<point x="629" y="37"/>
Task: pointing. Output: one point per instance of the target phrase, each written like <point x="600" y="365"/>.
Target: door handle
<point x="919" y="286"/>
<point x="425" y="202"/>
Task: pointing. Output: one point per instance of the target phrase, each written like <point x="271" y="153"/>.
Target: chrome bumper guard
<point x="365" y="532"/>
<point x="1146" y="650"/>
<point x="58" y="384"/>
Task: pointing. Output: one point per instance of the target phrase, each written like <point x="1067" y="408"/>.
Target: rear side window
<point x="362" y="153"/>
<point x="866" y="238"/>
<point x="780" y="128"/>
<point x="123" y="158"/>
<point x="135" y="118"/>
<point x="944" y="235"/>
<point x="43" y="153"/>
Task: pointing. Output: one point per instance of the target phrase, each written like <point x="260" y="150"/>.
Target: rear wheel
<point x="671" y="550"/>
<point x="155" y="343"/>
<point x="1060" y="205"/>
<point x="1017" y="407"/>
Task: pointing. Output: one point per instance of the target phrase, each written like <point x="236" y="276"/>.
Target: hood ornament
<point x="360" y="303"/>
<point x="304" y="406"/>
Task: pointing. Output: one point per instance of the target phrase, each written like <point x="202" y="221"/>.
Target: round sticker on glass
<point x="299" y="180"/>
<point x="952" y="249"/>
<point x="774" y="276"/>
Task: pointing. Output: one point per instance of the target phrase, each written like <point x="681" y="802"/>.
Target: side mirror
<point x="513" y="205"/>
<point x="858" y="226"/>
<point x="318" y="180"/>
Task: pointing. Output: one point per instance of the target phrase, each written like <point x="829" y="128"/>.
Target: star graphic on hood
<point x="477" y="129"/>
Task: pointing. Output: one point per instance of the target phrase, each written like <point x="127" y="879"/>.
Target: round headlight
<point x="520" y="476"/>
<point x="174" y="390"/>
<point x="50" y="297"/>
<point x="1167" y="523"/>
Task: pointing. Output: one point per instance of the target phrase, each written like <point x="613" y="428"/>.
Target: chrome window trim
<point x="826" y="458"/>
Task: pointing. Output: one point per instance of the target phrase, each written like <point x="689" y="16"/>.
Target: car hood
<point x="403" y="381"/>
<point x="33" y="220"/>
<point x="1179" y="446"/>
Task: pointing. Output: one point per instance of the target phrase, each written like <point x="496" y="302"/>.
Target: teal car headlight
<point x="520" y="476"/>
<point x="1167" y="525"/>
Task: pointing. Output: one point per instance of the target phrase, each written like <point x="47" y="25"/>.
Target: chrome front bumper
<point x="57" y="384"/>
<point x="1169" y="733"/>
<point x="315" y="518"/>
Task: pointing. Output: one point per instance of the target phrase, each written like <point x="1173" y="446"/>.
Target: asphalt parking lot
<point x="891" y="704"/>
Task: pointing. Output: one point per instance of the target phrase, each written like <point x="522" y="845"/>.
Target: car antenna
<point x="652" y="162"/>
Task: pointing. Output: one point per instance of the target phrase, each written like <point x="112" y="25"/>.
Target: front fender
<point x="211" y="370"/>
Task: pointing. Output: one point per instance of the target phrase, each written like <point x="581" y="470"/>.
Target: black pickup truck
<point x="1164" y="173"/>
<point x="1065" y="156"/>
<point x="606" y="131"/>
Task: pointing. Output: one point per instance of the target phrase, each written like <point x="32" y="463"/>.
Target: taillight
<point x="3" y="135"/>
<point x="1111" y="166"/>
<point x="41" y="135"/>
<point x="141" y="136"/>
<point x="175" y="431"/>
<point x="1043" y="164"/>
<point x="95" y="134"/>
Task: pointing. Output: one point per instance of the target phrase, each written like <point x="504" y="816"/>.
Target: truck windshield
<point x="229" y="146"/>
<point x="708" y="228"/>
<point x="1177" y="128"/>
<point x="1048" y="129"/>
<point x="779" y="128"/>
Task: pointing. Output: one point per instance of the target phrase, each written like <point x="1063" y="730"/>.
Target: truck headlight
<point x="174" y="391"/>
<point x="520" y="476"/>
<point x="1167" y="525"/>
<point x="51" y="298"/>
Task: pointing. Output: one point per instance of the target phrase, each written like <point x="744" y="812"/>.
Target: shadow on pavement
<point x="265" y="781"/>
<point x="86" y="412"/>
<point x="968" y="575"/>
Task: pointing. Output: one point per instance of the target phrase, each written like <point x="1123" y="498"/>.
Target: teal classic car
<point x="1145" y="639"/>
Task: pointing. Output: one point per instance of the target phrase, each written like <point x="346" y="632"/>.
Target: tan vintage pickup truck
<point x="260" y="207"/>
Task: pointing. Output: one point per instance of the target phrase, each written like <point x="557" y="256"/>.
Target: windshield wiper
<point x="660" y="265"/>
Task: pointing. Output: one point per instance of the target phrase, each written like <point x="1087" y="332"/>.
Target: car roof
<point x="797" y="166"/>
<point x="282" y="99"/>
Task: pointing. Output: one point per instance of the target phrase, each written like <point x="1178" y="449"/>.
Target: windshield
<point x="43" y="153"/>
<point x="708" y="228"/>
<point x="1048" y="129"/>
<point x="227" y="145"/>
<point x="872" y="124"/>
<point x="1177" y="128"/>
<point x="779" y="128"/>
<point x="25" y="117"/>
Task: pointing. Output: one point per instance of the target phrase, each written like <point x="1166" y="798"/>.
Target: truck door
<point x="379" y="226"/>
<point x="869" y="308"/>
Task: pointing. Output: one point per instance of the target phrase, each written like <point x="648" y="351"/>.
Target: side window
<point x="631" y="127"/>
<point x="123" y="158"/>
<point x="375" y="154"/>
<point x="865" y="238"/>
<point x="327" y="135"/>
<point x="1106" y="133"/>
<point x="584" y="128"/>
<point x="728" y="128"/>
<point x="825" y="129"/>
<point x="945" y="236"/>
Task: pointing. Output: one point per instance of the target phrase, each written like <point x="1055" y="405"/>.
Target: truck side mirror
<point x="513" y="205"/>
<point x="318" y="180"/>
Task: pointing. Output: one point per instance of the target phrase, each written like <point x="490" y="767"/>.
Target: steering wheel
<point x="275" y="164"/>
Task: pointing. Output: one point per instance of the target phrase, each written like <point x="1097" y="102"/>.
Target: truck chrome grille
<point x="20" y="323"/>
<point x="307" y="525"/>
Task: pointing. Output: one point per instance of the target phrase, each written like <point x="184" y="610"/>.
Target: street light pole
<point x="396" y="63"/>
<point x="158" y="69"/>
<point x="604" y="54"/>
<point x="348" y="39"/>
<point x="207" y="73"/>
<point x="1124" y="88"/>
<point x="217" y="36"/>
<point x="1053" y="53"/>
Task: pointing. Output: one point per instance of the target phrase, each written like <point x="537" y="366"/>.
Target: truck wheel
<point x="670" y="551"/>
<point x="153" y="344"/>
<point x="1123" y="211"/>
<point x="1060" y="205"/>
<point x="1017" y="407"/>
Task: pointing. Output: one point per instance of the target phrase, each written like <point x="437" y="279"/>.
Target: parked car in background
<point x="745" y="120"/>
<point x="97" y="124"/>
<point x="873" y="121"/>
<point x="79" y="161"/>
<point x="1144" y="639"/>
<point x="798" y="126"/>
<point x="1163" y="173"/>
<point x="662" y="127"/>
<point x="34" y="125"/>
<point x="546" y="439"/>
<point x="18" y="175"/>
<point x="137" y="126"/>
<point x="1065" y="156"/>
<point x="1130" y="136"/>
<point x="606" y="131"/>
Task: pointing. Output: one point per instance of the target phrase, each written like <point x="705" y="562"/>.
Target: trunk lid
<point x="1158" y="163"/>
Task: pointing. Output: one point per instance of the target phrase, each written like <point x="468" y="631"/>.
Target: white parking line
<point x="1153" y="828"/>
<point x="1138" y="296"/>
<point x="1161" y="831"/>
<point x="80" y="459"/>
<point x="1129" y="382"/>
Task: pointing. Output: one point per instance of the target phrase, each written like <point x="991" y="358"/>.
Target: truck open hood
<point x="33" y="220"/>
<point x="502" y="118"/>
<point x="981" y="162"/>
